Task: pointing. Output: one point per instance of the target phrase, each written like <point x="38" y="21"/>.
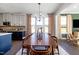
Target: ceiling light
<point x="74" y="6"/>
<point x="39" y="12"/>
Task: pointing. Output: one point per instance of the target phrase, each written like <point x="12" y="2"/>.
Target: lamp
<point x="39" y="11"/>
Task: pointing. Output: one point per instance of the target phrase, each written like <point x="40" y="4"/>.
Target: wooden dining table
<point x="37" y="43"/>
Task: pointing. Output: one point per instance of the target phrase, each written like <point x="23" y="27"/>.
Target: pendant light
<point x="39" y="12"/>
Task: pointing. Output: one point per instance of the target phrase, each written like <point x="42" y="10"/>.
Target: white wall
<point x="15" y="18"/>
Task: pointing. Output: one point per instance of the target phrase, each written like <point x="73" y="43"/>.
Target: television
<point x="76" y="23"/>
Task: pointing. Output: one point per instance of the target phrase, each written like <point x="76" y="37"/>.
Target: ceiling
<point x="72" y="9"/>
<point x="30" y="8"/>
<point x="33" y="8"/>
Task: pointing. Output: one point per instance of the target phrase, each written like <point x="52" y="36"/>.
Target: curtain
<point x="59" y="26"/>
<point x="51" y="24"/>
<point x="28" y="23"/>
<point x="69" y="24"/>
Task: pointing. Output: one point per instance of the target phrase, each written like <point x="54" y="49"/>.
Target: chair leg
<point x="52" y="51"/>
<point x="28" y="51"/>
<point x="22" y="51"/>
<point x="57" y="50"/>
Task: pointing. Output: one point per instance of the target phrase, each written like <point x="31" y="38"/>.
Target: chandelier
<point x="39" y="12"/>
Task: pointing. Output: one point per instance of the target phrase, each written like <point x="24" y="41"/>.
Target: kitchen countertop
<point x="12" y="30"/>
<point x="1" y="34"/>
<point x="16" y="31"/>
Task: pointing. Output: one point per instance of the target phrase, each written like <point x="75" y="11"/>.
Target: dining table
<point x="39" y="44"/>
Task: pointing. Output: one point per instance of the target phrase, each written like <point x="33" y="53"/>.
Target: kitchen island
<point x="5" y="42"/>
<point x="18" y="32"/>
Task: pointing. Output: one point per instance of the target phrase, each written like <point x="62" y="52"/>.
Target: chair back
<point x="55" y="43"/>
<point x="25" y="43"/>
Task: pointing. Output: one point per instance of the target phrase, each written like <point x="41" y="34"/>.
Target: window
<point x="33" y="29"/>
<point x="32" y="25"/>
<point x="39" y="22"/>
<point x="35" y="24"/>
<point x="46" y="21"/>
<point x="63" y="20"/>
<point x="63" y="24"/>
<point x="46" y="25"/>
<point x="33" y="21"/>
<point x="46" y="29"/>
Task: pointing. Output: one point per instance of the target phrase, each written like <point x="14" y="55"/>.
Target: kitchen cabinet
<point x="18" y="35"/>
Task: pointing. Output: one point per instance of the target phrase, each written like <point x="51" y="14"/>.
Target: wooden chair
<point x="25" y="44"/>
<point x="55" y="43"/>
<point x="49" y="34"/>
<point x="72" y="39"/>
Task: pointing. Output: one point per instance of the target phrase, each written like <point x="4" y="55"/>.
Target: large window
<point x="46" y="25"/>
<point x="35" y="24"/>
<point x="33" y="21"/>
<point x="39" y="22"/>
<point x="32" y="25"/>
<point x="63" y="24"/>
<point x="63" y="32"/>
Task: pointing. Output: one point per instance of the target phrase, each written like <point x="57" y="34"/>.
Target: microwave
<point x="6" y="23"/>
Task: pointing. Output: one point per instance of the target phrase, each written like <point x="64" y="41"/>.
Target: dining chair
<point x="25" y="44"/>
<point x="72" y="39"/>
<point x="55" y="44"/>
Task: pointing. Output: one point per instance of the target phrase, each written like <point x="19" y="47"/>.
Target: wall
<point x="75" y="16"/>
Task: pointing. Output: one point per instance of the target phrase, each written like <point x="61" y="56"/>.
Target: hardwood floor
<point x="72" y="50"/>
<point x="69" y="48"/>
<point x="16" y="46"/>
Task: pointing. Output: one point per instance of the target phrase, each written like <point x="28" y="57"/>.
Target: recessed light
<point x="74" y="6"/>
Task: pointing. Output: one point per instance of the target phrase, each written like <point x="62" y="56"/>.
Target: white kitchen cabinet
<point x="15" y="19"/>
